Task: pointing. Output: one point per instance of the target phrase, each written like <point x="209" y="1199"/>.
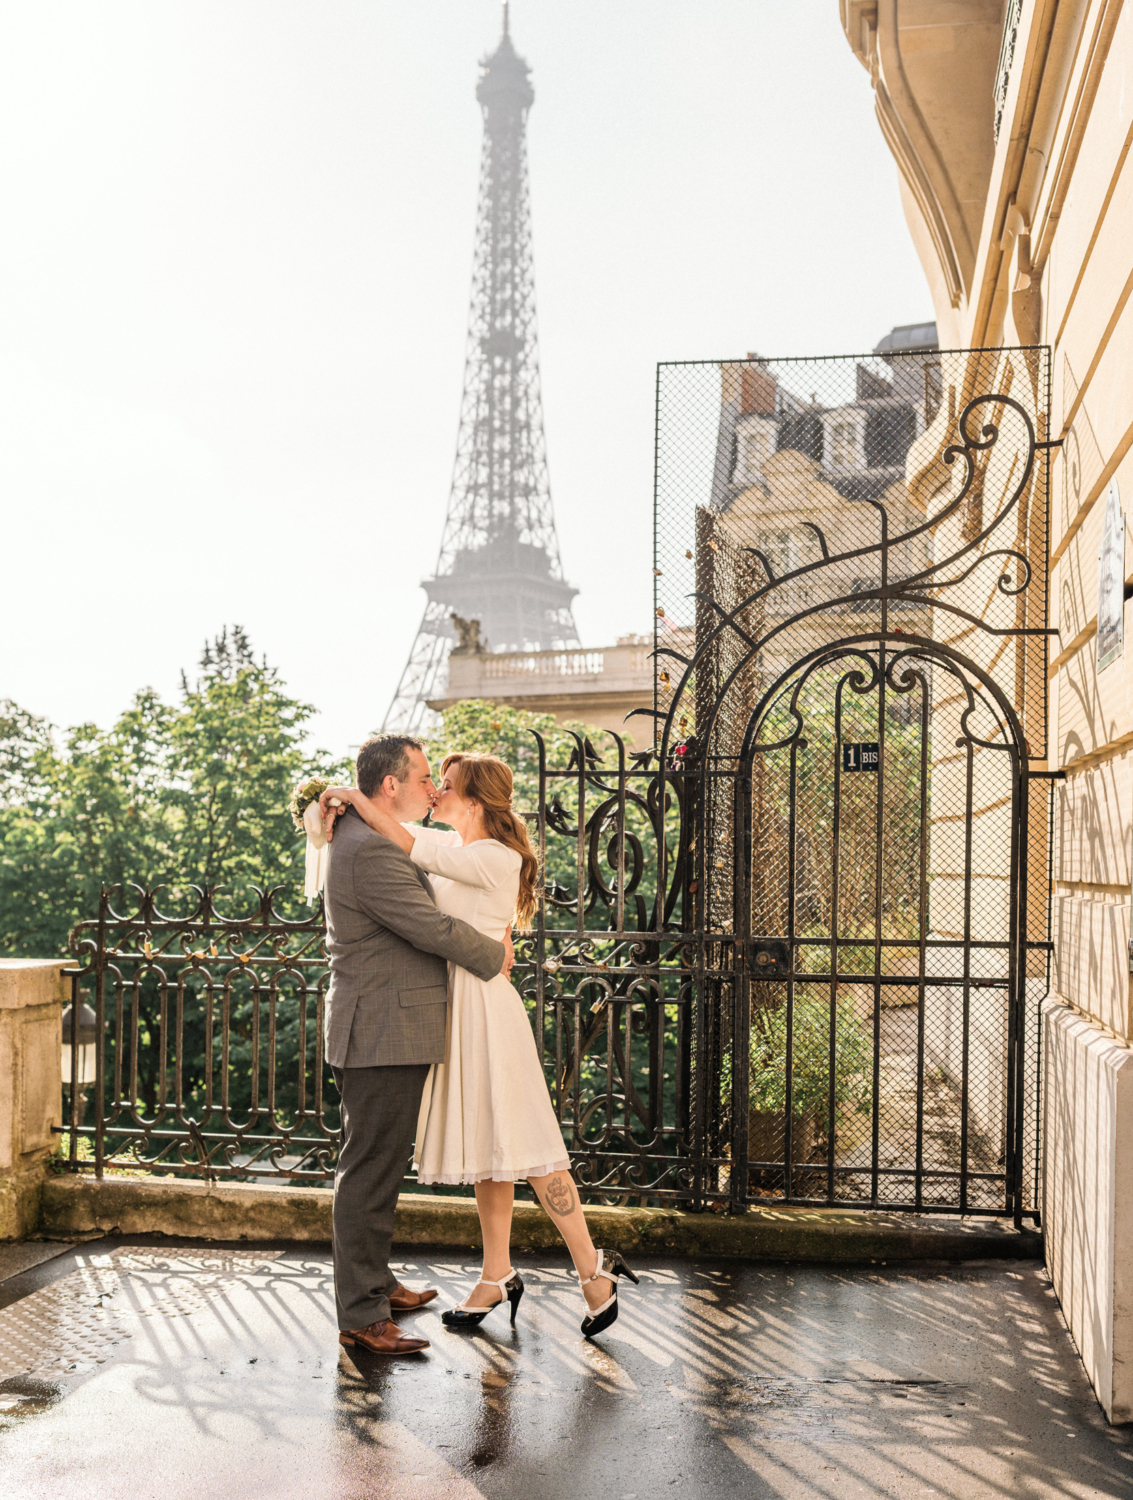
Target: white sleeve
<point x="484" y="864"/>
<point x="432" y="835"/>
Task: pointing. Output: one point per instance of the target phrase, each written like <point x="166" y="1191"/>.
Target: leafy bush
<point x="811" y="1081"/>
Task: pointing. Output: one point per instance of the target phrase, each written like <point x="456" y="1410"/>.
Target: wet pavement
<point x="21" y="1255"/>
<point x="201" y="1372"/>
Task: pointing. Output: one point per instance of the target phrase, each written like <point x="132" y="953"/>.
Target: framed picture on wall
<point x="1111" y="582"/>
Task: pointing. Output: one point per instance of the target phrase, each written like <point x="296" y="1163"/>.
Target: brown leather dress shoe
<point x="382" y="1338"/>
<point x="403" y="1300"/>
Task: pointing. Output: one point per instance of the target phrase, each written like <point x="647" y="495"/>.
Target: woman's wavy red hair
<point x="487" y="779"/>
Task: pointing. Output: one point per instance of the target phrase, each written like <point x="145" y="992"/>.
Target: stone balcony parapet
<point x="610" y="669"/>
<point x="598" y="686"/>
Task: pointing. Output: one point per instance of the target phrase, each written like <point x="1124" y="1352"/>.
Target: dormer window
<point x="842" y="447"/>
<point x="889" y="434"/>
<point x="755" y="443"/>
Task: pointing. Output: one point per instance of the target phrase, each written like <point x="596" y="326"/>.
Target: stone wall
<point x="1088" y="1064"/>
<point x="1035" y="251"/>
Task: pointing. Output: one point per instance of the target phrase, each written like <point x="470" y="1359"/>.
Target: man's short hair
<point x="384" y="755"/>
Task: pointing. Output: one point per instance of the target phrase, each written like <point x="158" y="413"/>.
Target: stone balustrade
<point x="596" y="686"/>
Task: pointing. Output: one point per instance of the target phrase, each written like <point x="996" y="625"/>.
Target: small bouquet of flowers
<point x="304" y="809"/>
<point x="302" y="797"/>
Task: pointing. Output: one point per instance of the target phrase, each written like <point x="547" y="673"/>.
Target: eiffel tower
<point x="499" y="559"/>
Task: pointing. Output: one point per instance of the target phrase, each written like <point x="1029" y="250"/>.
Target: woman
<point x="486" y="1117"/>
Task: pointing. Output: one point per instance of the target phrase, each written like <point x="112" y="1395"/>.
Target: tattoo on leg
<point x="560" y="1196"/>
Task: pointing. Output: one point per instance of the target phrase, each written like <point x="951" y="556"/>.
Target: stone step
<point x="80" y="1205"/>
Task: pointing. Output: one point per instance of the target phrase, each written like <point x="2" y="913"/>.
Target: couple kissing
<point x="429" y="1043"/>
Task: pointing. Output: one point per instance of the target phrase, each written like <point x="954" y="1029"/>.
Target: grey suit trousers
<point x="379" y="1121"/>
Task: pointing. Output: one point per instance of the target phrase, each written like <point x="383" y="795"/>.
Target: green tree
<point x="192" y="793"/>
<point x="237" y="748"/>
<point x="486" y="728"/>
<point x="40" y="882"/>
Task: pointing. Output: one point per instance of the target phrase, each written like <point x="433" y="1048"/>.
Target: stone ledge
<point x="78" y="1205"/>
<point x="32" y="981"/>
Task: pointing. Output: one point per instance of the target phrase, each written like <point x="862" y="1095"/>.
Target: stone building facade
<point x="1011" y="125"/>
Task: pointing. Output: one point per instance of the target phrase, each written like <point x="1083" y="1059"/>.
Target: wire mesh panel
<point x="851" y="677"/>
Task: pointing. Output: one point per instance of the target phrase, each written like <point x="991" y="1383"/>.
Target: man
<point x="385" y="1025"/>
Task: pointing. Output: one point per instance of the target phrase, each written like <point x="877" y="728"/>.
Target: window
<point x="755" y="441"/>
<point x="782" y="550"/>
<point x="844" y="445"/>
<point x="803" y="433"/>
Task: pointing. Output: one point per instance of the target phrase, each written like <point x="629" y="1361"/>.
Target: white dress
<point x="486" y="1114"/>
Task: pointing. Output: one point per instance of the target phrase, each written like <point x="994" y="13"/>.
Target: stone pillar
<point x="32" y="995"/>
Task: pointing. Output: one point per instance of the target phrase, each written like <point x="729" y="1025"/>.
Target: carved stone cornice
<point x="933" y="65"/>
<point x="924" y="190"/>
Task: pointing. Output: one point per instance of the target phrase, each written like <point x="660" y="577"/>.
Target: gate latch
<point x="770" y="958"/>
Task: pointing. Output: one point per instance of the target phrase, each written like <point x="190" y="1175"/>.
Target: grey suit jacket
<point x="388" y="945"/>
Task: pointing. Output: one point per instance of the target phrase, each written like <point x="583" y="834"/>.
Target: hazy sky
<point x="234" y="269"/>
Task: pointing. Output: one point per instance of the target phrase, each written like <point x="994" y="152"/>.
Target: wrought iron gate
<point x="851" y="647"/>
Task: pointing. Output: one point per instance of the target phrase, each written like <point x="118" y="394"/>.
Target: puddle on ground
<point x="24" y="1396"/>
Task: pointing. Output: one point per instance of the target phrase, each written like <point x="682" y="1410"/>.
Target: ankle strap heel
<point x="611" y="1267"/>
<point x="464" y="1316"/>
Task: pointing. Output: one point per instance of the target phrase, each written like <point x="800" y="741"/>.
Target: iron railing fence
<point x="209" y="1024"/>
<point x="208" y="1045"/>
<point x="207" y="1042"/>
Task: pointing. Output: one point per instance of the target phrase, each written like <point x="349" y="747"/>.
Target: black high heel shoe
<point x="602" y="1317"/>
<point x="471" y="1317"/>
